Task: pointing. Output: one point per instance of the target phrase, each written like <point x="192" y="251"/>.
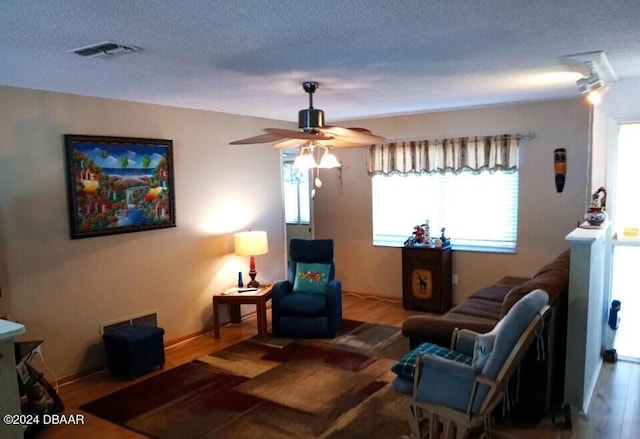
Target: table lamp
<point x="251" y="243"/>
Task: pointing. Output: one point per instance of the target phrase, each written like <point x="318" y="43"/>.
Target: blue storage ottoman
<point x="134" y="350"/>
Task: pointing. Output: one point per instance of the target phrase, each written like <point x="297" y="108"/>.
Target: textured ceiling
<point x="371" y="57"/>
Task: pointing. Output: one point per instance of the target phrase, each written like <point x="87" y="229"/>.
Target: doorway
<point x="625" y="276"/>
<point x="297" y="201"/>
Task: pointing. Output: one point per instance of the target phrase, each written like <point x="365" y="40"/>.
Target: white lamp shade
<point x="304" y="162"/>
<point x="329" y="161"/>
<point x="251" y="243"/>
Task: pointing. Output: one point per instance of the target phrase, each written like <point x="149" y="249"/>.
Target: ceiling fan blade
<point x="291" y="143"/>
<point x="261" y="138"/>
<point x="292" y="134"/>
<point x="273" y="134"/>
<point x="359" y="136"/>
<point x="339" y="142"/>
<point x="336" y="142"/>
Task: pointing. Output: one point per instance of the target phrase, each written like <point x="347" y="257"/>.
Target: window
<point x="478" y="210"/>
<point x="468" y="185"/>
<point x="297" y="207"/>
<point x="627" y="181"/>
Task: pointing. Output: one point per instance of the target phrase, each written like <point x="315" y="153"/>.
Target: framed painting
<point x="118" y="185"/>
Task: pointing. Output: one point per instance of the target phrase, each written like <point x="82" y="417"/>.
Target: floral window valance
<point x="475" y="154"/>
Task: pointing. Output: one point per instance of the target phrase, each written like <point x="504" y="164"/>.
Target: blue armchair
<point x="309" y="303"/>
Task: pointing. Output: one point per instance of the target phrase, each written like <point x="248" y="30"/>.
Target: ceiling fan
<point x="313" y="132"/>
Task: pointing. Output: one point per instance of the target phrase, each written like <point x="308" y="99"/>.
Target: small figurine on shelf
<point x="419" y="236"/>
<point x="596" y="215"/>
<point x="427" y="233"/>
<point x="443" y="241"/>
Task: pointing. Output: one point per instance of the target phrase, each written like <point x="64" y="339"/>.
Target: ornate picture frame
<point x="118" y="184"/>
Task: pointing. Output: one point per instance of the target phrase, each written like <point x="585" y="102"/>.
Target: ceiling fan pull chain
<point x="317" y="182"/>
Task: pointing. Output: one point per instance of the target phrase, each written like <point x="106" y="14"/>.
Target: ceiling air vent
<point x="106" y="48"/>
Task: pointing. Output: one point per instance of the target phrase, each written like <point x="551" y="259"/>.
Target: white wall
<point x="343" y="206"/>
<point x="622" y="101"/>
<point x="585" y="315"/>
<point x="61" y="289"/>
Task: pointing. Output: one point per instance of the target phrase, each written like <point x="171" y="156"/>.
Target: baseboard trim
<point x="372" y="296"/>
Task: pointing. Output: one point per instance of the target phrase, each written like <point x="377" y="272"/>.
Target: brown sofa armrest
<point x="422" y="329"/>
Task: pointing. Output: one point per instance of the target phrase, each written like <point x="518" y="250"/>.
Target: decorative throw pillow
<point x="405" y="367"/>
<point x="482" y="348"/>
<point x="311" y="278"/>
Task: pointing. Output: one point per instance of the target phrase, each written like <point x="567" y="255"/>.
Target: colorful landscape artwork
<point x="119" y="185"/>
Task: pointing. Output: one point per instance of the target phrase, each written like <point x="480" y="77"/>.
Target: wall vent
<point x="105" y="48"/>
<point x="146" y="319"/>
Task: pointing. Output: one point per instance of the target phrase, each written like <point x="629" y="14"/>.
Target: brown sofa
<point x="543" y="366"/>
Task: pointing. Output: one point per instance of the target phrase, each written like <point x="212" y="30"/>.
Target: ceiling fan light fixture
<point x="305" y="160"/>
<point x="328" y="160"/>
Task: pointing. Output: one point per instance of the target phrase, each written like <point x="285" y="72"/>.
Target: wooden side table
<point x="426" y="283"/>
<point x="234" y="300"/>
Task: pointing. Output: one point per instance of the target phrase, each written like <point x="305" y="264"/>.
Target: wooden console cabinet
<point x="426" y="278"/>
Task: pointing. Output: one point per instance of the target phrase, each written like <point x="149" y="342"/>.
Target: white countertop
<point x="9" y="330"/>
<point x="586" y="233"/>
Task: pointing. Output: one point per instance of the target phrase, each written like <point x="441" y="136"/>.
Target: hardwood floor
<point x="614" y="414"/>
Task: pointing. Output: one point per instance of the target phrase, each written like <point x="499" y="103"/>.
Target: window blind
<point x="479" y="211"/>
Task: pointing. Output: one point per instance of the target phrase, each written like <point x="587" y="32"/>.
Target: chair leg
<point x="487" y="427"/>
<point x="413" y="417"/>
<point x="425" y="424"/>
<point x="434" y="426"/>
<point x="454" y="431"/>
<point x="449" y="429"/>
<point x="490" y="433"/>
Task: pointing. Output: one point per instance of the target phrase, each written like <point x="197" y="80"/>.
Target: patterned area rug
<point x="280" y="388"/>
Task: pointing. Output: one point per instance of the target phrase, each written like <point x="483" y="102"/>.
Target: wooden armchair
<point x="456" y="399"/>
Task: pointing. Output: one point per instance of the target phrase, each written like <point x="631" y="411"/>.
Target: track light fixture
<point x="592" y="87"/>
<point x="597" y="73"/>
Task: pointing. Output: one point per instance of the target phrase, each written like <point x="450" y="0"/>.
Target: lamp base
<point x="253" y="283"/>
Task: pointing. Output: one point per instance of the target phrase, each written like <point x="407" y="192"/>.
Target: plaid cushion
<point x="405" y="367"/>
